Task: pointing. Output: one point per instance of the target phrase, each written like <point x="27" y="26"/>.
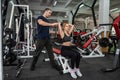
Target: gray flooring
<point x="90" y="68"/>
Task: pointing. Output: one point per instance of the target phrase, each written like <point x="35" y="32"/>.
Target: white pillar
<point x="1" y="62"/>
<point x="104" y="12"/>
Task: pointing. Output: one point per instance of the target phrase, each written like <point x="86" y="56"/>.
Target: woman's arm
<point x="60" y="30"/>
<point x="71" y="29"/>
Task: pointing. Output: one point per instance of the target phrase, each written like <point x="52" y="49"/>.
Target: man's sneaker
<point x="72" y="73"/>
<point x="77" y="71"/>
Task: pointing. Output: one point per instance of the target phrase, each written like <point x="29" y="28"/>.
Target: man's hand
<point x="71" y="25"/>
<point x="54" y="24"/>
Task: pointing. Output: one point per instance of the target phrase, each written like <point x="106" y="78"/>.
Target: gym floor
<point x="90" y="68"/>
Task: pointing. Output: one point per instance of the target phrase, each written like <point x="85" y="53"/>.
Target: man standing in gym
<point x="43" y="38"/>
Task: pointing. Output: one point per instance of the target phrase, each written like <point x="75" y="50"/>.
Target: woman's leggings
<point x="72" y="53"/>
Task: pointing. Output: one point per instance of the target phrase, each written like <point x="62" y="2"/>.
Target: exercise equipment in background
<point x="116" y="62"/>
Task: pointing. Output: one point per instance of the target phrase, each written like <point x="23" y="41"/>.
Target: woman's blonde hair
<point x="64" y="24"/>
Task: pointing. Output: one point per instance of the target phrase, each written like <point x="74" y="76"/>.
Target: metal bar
<point x="94" y="17"/>
<point x="1" y="62"/>
<point x="93" y="13"/>
<point x="11" y="16"/>
<point x="68" y="3"/>
<point x="31" y="31"/>
<point x="12" y="11"/>
<point x="16" y="5"/>
<point x="106" y="24"/>
<point x="76" y="12"/>
<point x="28" y="34"/>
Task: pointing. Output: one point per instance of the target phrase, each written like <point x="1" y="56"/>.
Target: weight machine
<point x="22" y="47"/>
<point x="116" y="62"/>
<point x="27" y="24"/>
<point x="96" y="52"/>
<point x="26" y="47"/>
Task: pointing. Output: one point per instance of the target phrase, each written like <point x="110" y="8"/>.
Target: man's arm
<point x="43" y="23"/>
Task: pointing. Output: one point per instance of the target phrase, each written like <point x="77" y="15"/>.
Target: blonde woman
<point x="70" y="50"/>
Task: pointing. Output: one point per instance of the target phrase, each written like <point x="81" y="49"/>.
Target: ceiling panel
<point x="63" y="6"/>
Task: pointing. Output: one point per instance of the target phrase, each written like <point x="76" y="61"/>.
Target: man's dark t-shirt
<point x="42" y="31"/>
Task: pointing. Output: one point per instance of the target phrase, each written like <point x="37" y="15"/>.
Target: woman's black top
<point x="66" y="38"/>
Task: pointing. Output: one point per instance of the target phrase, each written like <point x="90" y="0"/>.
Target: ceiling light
<point x="55" y="2"/>
<point x="81" y="5"/>
<point x="65" y="16"/>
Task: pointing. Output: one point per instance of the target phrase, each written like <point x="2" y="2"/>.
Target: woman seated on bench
<point x="69" y="50"/>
